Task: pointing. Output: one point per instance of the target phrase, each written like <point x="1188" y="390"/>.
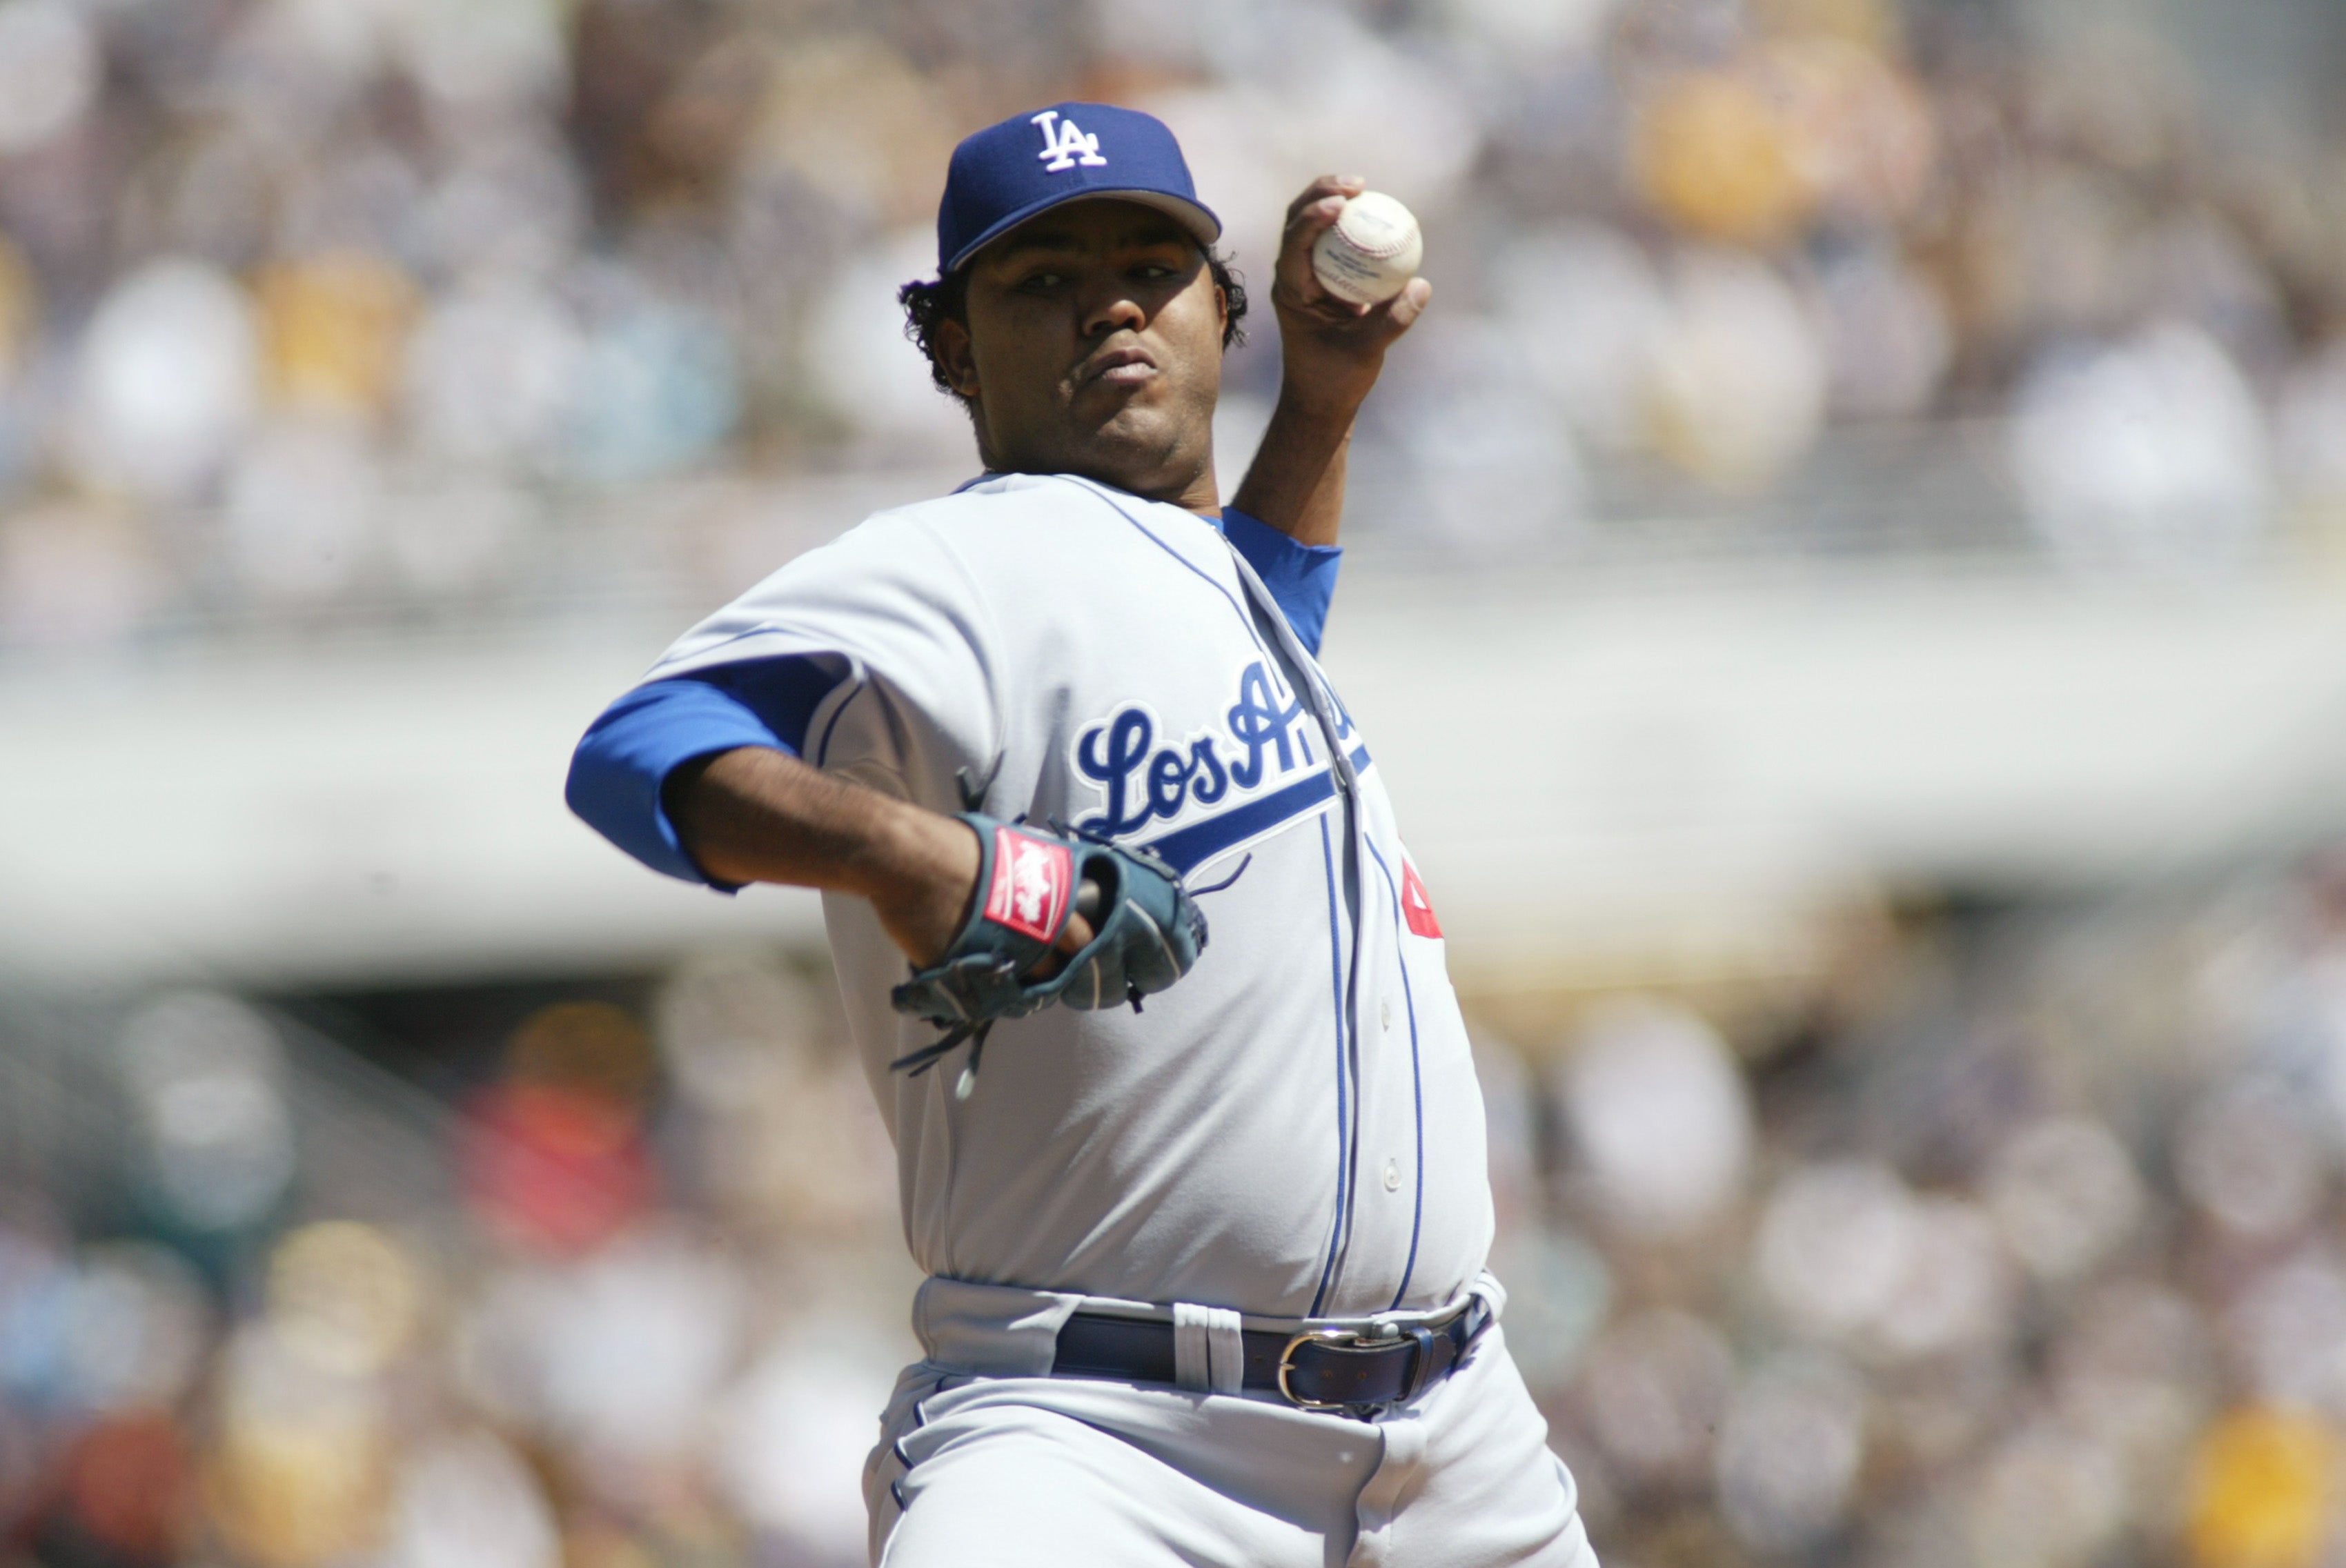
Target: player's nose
<point x="1112" y="309"/>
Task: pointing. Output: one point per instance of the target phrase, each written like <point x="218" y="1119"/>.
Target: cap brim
<point x="1197" y="219"/>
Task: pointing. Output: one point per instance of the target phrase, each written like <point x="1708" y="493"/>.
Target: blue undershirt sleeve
<point x="1300" y="578"/>
<point x="622" y="764"/>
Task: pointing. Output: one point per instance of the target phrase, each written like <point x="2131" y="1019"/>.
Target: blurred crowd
<point x="2018" y="1249"/>
<point x="448" y="307"/>
<point x="608" y="1284"/>
<point x="2015" y="1242"/>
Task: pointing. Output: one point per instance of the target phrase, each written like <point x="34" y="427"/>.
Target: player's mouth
<point x="1121" y="368"/>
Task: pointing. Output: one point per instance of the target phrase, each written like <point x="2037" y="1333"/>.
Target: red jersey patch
<point x="1032" y="881"/>
<point x="1415" y="907"/>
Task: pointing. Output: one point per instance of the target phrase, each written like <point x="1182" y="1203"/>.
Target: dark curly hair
<point x="929" y="305"/>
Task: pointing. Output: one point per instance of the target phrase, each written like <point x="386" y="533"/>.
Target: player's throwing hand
<point x="1333" y="347"/>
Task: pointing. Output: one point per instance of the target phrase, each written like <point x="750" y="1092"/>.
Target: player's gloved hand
<point x="1146" y="934"/>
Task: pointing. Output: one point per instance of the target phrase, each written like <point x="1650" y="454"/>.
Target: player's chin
<point x="1147" y="426"/>
<point x="1134" y="419"/>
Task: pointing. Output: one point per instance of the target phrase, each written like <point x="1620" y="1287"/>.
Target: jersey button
<point x="1385" y="1010"/>
<point x="1393" y="1176"/>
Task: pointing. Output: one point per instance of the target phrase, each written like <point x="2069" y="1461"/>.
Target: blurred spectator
<point x="49" y="70"/>
<point x="167" y="380"/>
<point x="1736" y="389"/>
<point x="2066" y="1195"/>
<point x="1659" y="1113"/>
<point x="333" y="331"/>
<point x="1589" y="310"/>
<point x="556" y="1154"/>
<point x="206" y="1077"/>
<point x="1496" y="470"/>
<point x="2153" y="451"/>
<point x="794" y="1434"/>
<point x="2262" y="1491"/>
<point x="1885" y="335"/>
<point x="468" y="1501"/>
<point x="1788" y="1453"/>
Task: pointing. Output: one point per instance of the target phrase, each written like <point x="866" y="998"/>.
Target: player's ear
<point x="954" y="358"/>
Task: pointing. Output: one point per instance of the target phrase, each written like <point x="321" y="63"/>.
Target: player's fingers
<point x="1074" y="937"/>
<point x="1305" y="225"/>
<point x="1308" y="217"/>
<point x="1344" y="185"/>
<point x="1398" y="314"/>
<point x="1405" y="307"/>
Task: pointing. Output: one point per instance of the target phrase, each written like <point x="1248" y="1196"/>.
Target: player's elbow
<point x="597" y="793"/>
<point x="578" y="785"/>
<point x="614" y="792"/>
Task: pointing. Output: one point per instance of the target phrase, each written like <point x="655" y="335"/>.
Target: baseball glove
<point x="1146" y="934"/>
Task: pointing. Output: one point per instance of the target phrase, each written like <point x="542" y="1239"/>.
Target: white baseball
<point x="1371" y="251"/>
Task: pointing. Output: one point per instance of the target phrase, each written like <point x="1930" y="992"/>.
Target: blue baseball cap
<point x="1006" y="174"/>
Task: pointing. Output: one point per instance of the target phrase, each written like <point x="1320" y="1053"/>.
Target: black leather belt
<point x="1318" y="1368"/>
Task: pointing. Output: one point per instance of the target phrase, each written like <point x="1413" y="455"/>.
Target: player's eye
<point x="1040" y="283"/>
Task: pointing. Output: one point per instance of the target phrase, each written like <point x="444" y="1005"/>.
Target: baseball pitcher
<point x="1150" y="995"/>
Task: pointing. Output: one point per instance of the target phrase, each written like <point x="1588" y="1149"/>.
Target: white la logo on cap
<point x="1067" y="146"/>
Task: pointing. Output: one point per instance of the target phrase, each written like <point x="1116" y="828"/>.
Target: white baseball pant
<point x="1028" y="1472"/>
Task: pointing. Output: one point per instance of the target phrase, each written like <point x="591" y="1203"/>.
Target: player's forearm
<point x="1296" y="483"/>
<point x="756" y="815"/>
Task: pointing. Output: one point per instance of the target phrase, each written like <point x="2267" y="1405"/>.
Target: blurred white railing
<point x="1606" y="756"/>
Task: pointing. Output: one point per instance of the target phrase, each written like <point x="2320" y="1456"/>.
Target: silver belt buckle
<point x="1335" y="1339"/>
<point x="1382" y="1335"/>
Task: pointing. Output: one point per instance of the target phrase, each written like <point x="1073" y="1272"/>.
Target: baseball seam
<point x="1380" y="252"/>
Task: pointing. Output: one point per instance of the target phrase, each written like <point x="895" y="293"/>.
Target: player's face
<point x="1095" y="346"/>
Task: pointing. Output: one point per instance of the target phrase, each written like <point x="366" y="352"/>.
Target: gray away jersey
<point x="1293" y="1130"/>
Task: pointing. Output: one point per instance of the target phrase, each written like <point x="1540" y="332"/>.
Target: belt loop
<point x="1208" y="1349"/>
<point x="1192" y="1350"/>
<point x="1226" y="1351"/>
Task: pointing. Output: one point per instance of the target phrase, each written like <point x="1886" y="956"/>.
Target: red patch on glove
<point x="1032" y="881"/>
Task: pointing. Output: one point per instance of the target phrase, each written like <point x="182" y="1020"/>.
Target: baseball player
<point x="1151" y="997"/>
